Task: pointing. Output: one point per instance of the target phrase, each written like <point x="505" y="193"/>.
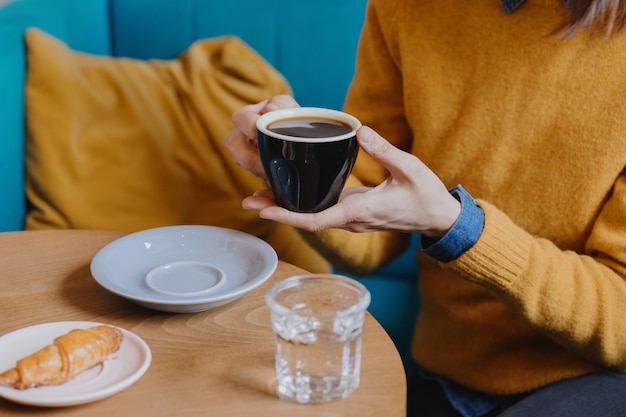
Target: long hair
<point x="605" y="17"/>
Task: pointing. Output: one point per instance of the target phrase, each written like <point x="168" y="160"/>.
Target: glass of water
<point x="318" y="323"/>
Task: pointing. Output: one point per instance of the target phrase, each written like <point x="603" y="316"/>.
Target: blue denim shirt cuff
<point x="463" y="234"/>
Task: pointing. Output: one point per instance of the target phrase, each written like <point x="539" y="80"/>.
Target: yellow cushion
<point x="124" y="144"/>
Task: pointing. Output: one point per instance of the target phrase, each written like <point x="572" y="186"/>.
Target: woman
<point x="504" y="127"/>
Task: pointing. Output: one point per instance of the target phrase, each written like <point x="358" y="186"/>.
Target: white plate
<point x="184" y="269"/>
<point x="119" y="371"/>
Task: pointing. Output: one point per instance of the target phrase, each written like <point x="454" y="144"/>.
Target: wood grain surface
<point x="215" y="363"/>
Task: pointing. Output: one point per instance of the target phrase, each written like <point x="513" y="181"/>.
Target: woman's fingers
<point x="244" y="151"/>
<point x="395" y="160"/>
<point x="334" y="216"/>
<point x="259" y="200"/>
<point x="282" y="101"/>
<point x="241" y="141"/>
<point x="244" y="119"/>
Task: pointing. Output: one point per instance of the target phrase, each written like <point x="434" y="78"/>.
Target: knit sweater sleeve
<point x="575" y="299"/>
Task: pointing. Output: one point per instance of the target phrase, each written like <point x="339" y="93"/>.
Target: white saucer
<point x="184" y="269"/>
<point x="118" y="372"/>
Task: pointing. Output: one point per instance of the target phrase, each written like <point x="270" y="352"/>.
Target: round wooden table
<point x="215" y="363"/>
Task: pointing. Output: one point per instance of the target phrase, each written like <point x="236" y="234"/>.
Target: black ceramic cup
<point x="308" y="154"/>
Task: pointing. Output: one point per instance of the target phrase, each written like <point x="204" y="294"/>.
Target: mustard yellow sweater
<point x="533" y="127"/>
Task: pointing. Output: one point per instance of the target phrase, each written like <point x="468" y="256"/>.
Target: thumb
<point x="383" y="152"/>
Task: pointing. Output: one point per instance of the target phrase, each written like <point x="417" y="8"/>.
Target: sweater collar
<point x="511" y="5"/>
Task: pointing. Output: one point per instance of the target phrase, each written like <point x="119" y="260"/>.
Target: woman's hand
<point x="412" y="199"/>
<point x="241" y="141"/>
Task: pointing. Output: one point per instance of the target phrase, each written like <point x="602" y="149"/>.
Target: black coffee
<point x="310" y="127"/>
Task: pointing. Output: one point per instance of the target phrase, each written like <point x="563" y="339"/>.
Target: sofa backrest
<point x="313" y="43"/>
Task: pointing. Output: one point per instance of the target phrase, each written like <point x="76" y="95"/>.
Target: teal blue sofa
<point x="312" y="43"/>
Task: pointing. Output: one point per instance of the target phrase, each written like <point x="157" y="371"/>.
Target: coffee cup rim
<point x="264" y="120"/>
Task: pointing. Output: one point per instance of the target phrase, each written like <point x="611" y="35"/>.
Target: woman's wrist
<point x="447" y="216"/>
<point x="463" y="233"/>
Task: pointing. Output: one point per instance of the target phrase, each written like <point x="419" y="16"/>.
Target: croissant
<point x="68" y="356"/>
